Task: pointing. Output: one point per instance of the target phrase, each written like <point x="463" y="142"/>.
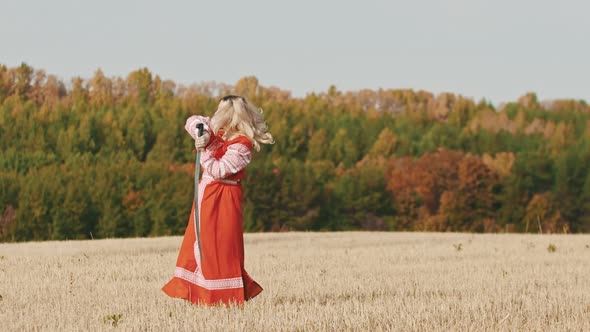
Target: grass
<point x="313" y="281"/>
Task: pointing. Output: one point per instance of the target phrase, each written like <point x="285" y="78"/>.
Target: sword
<point x="196" y="197"/>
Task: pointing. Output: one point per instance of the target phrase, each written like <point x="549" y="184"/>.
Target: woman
<point x="211" y="270"/>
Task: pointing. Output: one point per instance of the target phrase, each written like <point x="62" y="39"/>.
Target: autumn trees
<point x="107" y="156"/>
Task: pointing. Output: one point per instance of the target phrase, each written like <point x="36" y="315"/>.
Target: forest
<point x="108" y="157"/>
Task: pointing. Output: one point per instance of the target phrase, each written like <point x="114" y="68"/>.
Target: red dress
<point x="217" y="273"/>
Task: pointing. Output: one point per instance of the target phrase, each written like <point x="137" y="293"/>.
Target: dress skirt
<point x="216" y="275"/>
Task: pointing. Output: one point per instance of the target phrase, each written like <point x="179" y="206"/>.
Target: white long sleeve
<point x="236" y="158"/>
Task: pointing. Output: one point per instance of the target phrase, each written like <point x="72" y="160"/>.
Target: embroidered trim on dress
<point x="226" y="181"/>
<point x="198" y="279"/>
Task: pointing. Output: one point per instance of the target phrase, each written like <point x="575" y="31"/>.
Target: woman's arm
<point x="236" y="158"/>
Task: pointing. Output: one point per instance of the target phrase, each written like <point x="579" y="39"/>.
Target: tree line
<point x="108" y="157"/>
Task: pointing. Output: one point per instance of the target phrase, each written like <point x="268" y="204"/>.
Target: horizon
<point x="497" y="105"/>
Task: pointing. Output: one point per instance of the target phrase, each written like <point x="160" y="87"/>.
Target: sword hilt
<point x="199" y="129"/>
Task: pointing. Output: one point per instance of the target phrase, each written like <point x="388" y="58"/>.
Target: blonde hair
<point x="235" y="115"/>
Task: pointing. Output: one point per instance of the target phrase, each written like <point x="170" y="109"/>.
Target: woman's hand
<point x="201" y="141"/>
<point x="191" y="124"/>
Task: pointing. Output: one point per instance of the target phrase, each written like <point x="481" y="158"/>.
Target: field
<point x="313" y="281"/>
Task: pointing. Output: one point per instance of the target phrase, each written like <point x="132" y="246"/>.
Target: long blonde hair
<point x="235" y="115"/>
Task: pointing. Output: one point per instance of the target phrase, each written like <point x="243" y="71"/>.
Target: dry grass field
<point x="313" y="282"/>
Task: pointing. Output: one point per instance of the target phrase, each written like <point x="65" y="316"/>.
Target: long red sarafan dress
<point x="217" y="273"/>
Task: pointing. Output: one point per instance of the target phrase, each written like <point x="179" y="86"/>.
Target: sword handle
<point x="200" y="129"/>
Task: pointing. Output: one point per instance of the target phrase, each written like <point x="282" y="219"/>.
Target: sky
<point x="496" y="49"/>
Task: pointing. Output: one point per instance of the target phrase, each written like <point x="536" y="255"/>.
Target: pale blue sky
<point x="497" y="49"/>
